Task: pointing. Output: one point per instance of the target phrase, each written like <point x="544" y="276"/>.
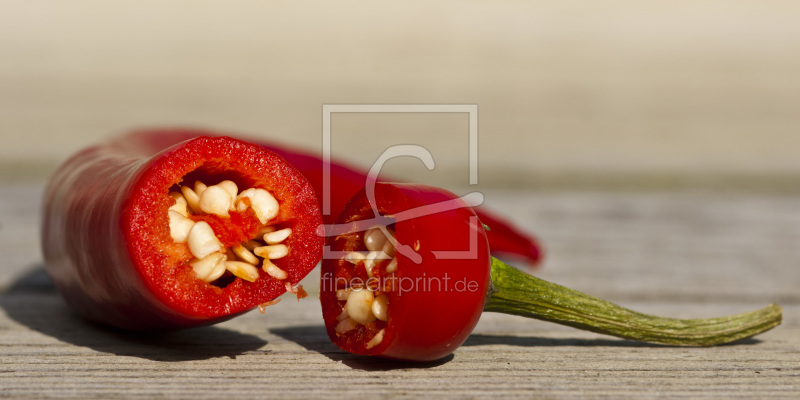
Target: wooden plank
<point x="688" y="254"/>
<point x="286" y="353"/>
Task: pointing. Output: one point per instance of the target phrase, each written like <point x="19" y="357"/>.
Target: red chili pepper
<point x="415" y="290"/>
<point x="130" y="240"/>
<point x="346" y="181"/>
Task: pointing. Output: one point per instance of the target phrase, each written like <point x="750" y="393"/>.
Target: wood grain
<point x="674" y="253"/>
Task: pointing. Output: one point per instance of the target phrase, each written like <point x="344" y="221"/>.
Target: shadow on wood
<point x="33" y="301"/>
<point x="314" y="338"/>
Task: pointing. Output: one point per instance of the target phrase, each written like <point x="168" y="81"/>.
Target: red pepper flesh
<point x="346" y="181"/>
<point x="433" y="305"/>
<point x="106" y="236"/>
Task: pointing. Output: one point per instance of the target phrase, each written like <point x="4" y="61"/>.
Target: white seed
<point x="343" y="315"/>
<point x="199" y="187"/>
<point x="245" y="255"/>
<point x="180" y="204"/>
<point x="359" y="304"/>
<point x="274" y="271"/>
<point x="354" y="257"/>
<point x="192" y="199"/>
<point x="389" y="249"/>
<point x="179" y="226"/>
<point x="262" y="202"/>
<point x="230" y="187"/>
<point x="392" y="266"/>
<point x="272" y="252"/>
<point x="243" y="270"/>
<point x="209" y="268"/>
<point x="266" y="229"/>
<point x="244" y="199"/>
<point x="376" y="340"/>
<point x="277" y="236"/>
<point x="341" y="294"/>
<point x="372" y="259"/>
<point x="216" y="200"/>
<point x="202" y="240"/>
<point x="241" y="204"/>
<point x="374" y="239"/>
<point x="380" y="307"/>
<point x="346" y="325"/>
<point x="369" y="262"/>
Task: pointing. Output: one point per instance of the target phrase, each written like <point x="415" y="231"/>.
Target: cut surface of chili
<point x="142" y="236"/>
<point x="346" y="180"/>
<point x="408" y="276"/>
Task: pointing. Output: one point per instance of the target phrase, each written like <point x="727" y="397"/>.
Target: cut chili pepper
<point x="143" y="236"/>
<point x="408" y="276"/>
<point x="346" y="181"/>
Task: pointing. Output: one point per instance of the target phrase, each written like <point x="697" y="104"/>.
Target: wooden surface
<point x="683" y="254"/>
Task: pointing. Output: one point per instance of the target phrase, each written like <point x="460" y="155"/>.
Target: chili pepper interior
<point x="121" y="251"/>
<point x="223" y="228"/>
<point x="365" y="283"/>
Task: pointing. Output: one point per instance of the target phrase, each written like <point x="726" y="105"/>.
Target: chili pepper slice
<point x="346" y="181"/>
<point x="408" y="275"/>
<point x="141" y="236"/>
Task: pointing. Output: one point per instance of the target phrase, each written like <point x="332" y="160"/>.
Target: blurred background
<point x="606" y="93"/>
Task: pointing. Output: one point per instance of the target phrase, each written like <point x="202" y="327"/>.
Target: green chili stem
<point x="515" y="292"/>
